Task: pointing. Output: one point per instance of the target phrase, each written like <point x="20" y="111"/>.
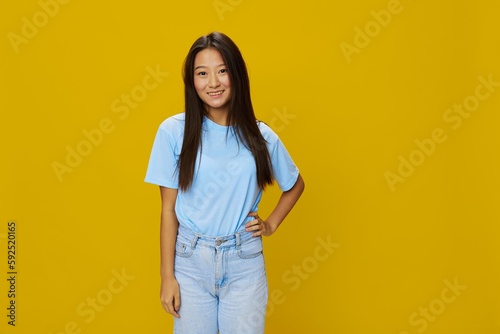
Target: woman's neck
<point x="218" y="116"/>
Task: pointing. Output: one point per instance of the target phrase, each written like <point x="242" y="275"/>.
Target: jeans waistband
<point x="194" y="238"/>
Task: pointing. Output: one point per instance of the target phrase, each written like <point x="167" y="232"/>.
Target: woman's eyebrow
<point x="203" y="66"/>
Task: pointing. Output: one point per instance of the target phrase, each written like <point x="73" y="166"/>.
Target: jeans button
<point x="218" y="242"/>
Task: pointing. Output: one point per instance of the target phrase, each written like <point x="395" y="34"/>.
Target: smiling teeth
<point x="217" y="93"/>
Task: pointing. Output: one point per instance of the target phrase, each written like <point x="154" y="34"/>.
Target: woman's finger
<point x="170" y="308"/>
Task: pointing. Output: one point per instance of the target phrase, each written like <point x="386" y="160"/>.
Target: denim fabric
<point x="223" y="283"/>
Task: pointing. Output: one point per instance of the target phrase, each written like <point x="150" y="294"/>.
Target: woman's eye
<point x="202" y="73"/>
<point x="223" y="71"/>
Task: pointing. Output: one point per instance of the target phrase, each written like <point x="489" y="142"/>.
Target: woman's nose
<point x="214" y="81"/>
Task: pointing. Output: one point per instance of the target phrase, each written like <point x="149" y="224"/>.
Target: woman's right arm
<point x="169" y="292"/>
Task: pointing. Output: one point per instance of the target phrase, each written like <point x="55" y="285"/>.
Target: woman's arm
<point x="282" y="209"/>
<point x="169" y="292"/>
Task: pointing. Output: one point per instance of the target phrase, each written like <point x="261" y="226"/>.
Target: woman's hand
<point x="170" y="296"/>
<point x="258" y="226"/>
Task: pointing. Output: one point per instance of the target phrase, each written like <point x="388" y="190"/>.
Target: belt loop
<point x="238" y="240"/>
<point x="195" y="239"/>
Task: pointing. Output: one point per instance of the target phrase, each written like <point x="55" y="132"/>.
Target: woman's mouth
<point x="215" y="93"/>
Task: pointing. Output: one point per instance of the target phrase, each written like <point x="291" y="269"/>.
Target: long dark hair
<point x="241" y="114"/>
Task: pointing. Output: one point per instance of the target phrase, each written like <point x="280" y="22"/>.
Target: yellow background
<point x="346" y="120"/>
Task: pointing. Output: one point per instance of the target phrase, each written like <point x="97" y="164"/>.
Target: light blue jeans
<point x="223" y="283"/>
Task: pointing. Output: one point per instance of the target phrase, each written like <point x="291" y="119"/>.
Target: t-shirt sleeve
<point x="162" y="167"/>
<point x="284" y="169"/>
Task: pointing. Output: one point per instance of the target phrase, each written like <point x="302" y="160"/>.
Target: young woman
<point x="212" y="163"/>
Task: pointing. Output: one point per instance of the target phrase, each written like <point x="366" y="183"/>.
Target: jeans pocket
<point x="183" y="250"/>
<point x="250" y="249"/>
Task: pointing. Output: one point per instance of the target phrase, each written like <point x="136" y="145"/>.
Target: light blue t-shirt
<point x="224" y="189"/>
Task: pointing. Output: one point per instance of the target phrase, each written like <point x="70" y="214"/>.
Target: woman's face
<point x="211" y="80"/>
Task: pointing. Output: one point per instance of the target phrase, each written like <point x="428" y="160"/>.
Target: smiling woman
<point x="224" y="69"/>
<point x="212" y="84"/>
<point x="212" y="163"/>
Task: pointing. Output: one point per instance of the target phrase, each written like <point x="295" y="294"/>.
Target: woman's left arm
<point x="282" y="209"/>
